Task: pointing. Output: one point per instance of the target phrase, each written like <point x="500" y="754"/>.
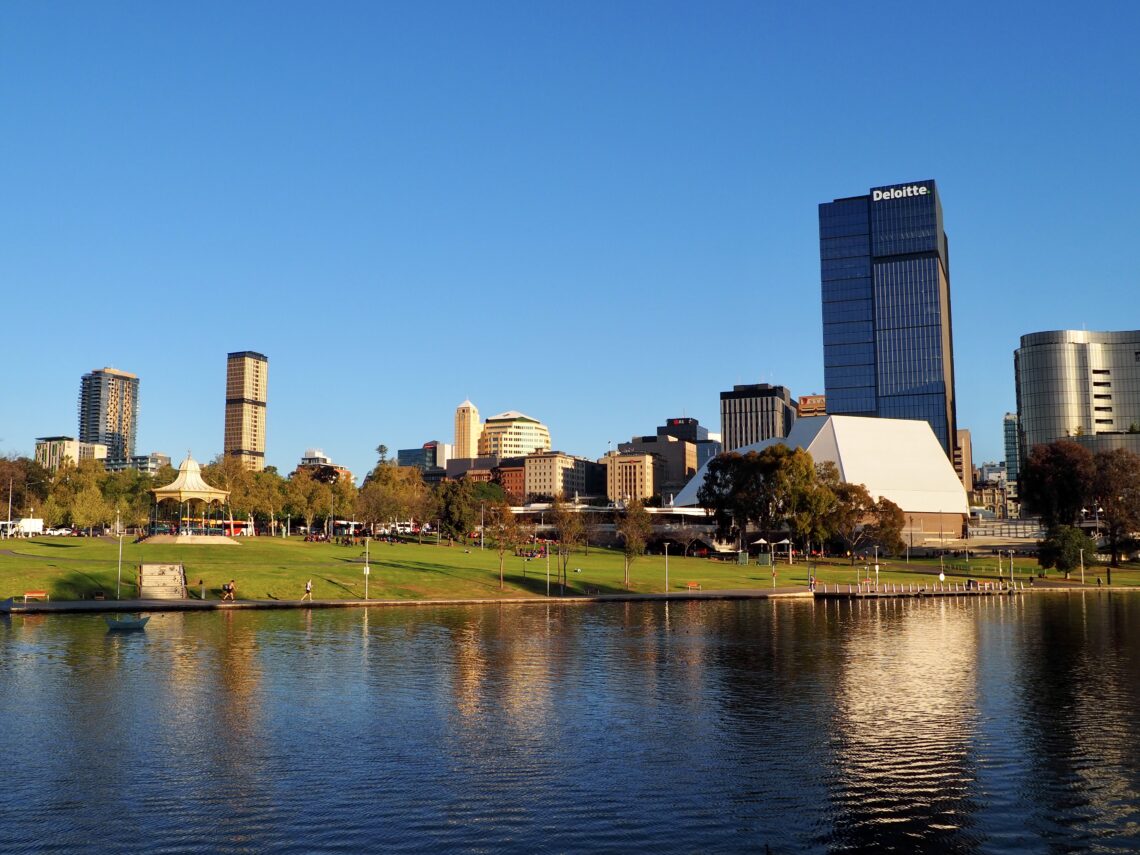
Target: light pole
<point x="1082" y="566"/>
<point x="876" y="567"/>
<point x="548" y="569"/>
<point x="666" y="567"/>
<point x="481" y="525"/>
<point x="367" y="569"/>
<point x="119" y="582"/>
<point x="1011" y="568"/>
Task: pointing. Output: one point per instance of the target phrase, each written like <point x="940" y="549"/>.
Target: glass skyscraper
<point x="885" y="273"/>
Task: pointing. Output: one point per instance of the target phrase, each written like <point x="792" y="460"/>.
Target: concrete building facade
<point x="678" y="459"/>
<point x="551" y="474"/>
<point x="467" y="430"/>
<point x="108" y="411"/>
<point x="512" y="434"/>
<point x="247" y="386"/>
<point x="53" y="452"/>
<point x="632" y="476"/>
<point x="753" y="413"/>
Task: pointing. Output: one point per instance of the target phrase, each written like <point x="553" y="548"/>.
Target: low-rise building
<point x="511" y="476"/>
<point x="148" y="464"/>
<point x="551" y="474"/>
<point x="321" y="467"/>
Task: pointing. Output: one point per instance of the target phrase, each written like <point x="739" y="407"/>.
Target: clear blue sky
<point x="601" y="214"/>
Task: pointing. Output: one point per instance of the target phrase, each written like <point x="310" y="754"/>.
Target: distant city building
<point x="467" y="430"/>
<point x="321" y="467"/>
<point x="678" y="458"/>
<point x="885" y="274"/>
<point x="431" y="455"/>
<point x="247" y="384"/>
<point x="552" y="474"/>
<point x="811" y="405"/>
<point x="1079" y="385"/>
<point x="108" y="411"/>
<point x="632" y="476"/>
<point x="1012" y="447"/>
<point x="992" y="473"/>
<point x="54" y="451"/>
<point x="458" y="468"/>
<point x="511" y="476"/>
<point x="964" y="458"/>
<point x="689" y="429"/>
<point x="148" y="464"/>
<point x="755" y="412"/>
<point x="512" y="434"/>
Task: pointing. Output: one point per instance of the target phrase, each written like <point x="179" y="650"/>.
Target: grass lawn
<point x="267" y="568"/>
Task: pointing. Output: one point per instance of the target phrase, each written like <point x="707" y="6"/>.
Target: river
<point x="953" y="725"/>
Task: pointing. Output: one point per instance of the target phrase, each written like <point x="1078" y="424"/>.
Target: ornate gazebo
<point x="199" y="507"/>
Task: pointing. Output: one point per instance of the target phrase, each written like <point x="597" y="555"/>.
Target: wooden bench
<point x="591" y="591"/>
<point x="692" y="586"/>
<point x="36" y="595"/>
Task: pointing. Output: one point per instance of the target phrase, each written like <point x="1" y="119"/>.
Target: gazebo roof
<point x="189" y="485"/>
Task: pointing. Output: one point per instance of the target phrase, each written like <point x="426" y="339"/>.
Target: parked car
<point x="58" y="532"/>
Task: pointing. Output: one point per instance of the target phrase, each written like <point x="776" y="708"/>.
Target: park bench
<point x="591" y="591"/>
<point x="693" y="586"/>
<point x="36" y="595"/>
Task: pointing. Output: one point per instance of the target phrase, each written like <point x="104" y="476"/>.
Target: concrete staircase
<point x="162" y="582"/>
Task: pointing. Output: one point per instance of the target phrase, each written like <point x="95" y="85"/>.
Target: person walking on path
<point x="308" y="591"/>
<point x="228" y="590"/>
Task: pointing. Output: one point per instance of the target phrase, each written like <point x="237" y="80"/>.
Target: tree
<point x="299" y="494"/>
<point x="1062" y="548"/>
<point x="850" y="515"/>
<point x="457" y="509"/>
<point x="504" y="532"/>
<point x="88" y="508"/>
<point x="733" y="493"/>
<point x="568" y="522"/>
<point x="1056" y="482"/>
<point x="1116" y="489"/>
<point x="634" y="527"/>
<point x="887" y="528"/>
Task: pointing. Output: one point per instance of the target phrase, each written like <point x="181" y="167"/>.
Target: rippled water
<point x="981" y="725"/>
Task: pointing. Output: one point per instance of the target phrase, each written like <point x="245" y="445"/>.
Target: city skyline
<point x="575" y="194"/>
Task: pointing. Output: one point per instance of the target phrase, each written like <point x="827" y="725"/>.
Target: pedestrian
<point x="308" y="591"/>
<point x="228" y="590"/>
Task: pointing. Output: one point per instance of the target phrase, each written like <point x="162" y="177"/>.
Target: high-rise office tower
<point x="754" y="412"/>
<point x="467" y="431"/>
<point x="1012" y="447"/>
<point x="247" y="379"/>
<point x="108" y="411"/>
<point x="887" y="343"/>
<point x="1080" y="385"/>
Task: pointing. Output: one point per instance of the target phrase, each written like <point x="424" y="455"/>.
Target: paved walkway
<point x="17" y="606"/>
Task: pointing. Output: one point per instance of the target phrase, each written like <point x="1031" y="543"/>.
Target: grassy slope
<point x="264" y="568"/>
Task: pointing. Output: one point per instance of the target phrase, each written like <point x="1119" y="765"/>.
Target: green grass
<point x="265" y="568"/>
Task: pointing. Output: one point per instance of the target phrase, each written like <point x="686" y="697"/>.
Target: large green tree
<point x="504" y="532"/>
<point x="1056" y="482"/>
<point x="457" y="509"/>
<point x="1065" y="547"/>
<point x="1116" y="490"/>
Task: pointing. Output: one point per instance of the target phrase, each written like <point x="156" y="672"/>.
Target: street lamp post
<point x="666" y="567"/>
<point x="876" y="567"/>
<point x="367" y="569"/>
<point x="119" y="582"/>
<point x="481" y="525"/>
<point x="1011" y="568"/>
<point x="1082" y="566"/>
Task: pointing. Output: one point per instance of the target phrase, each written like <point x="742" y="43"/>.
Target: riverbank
<point x="277" y="570"/>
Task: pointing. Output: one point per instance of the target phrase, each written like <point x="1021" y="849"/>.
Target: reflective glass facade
<point x="1081" y="385"/>
<point x="887" y="342"/>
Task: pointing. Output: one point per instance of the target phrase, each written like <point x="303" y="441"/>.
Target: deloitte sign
<point x="899" y="192"/>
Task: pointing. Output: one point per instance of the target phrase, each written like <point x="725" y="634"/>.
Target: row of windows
<point x="842" y="247"/>
<point x="846" y="310"/>
<point x="845" y="267"/>
<point x="846" y="289"/>
<point x="851" y="332"/>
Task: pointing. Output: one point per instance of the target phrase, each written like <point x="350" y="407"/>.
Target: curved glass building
<point x="1079" y="385"/>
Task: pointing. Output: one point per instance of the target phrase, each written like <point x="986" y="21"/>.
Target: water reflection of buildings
<point x="904" y="721"/>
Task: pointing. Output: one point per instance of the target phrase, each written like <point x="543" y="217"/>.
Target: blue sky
<point x="600" y="214"/>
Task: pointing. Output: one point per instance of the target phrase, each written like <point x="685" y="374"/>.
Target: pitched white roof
<point x="900" y="459"/>
<point x="189" y="485"/>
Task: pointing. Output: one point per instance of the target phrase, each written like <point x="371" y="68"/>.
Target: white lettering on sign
<point x="900" y="192"/>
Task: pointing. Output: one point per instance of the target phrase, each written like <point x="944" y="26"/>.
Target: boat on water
<point x="125" y="624"/>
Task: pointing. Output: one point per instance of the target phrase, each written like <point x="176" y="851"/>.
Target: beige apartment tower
<point x="247" y="378"/>
<point x="467" y="431"/>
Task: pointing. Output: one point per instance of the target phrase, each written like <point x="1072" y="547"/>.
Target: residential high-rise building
<point x="467" y="430"/>
<point x="887" y="339"/>
<point x="1080" y="385"/>
<point x="1012" y="447"/>
<point x="755" y="412"/>
<point x="108" y="411"/>
<point x="512" y="434"/>
<point x="247" y="382"/>
<point x="54" y="451"/>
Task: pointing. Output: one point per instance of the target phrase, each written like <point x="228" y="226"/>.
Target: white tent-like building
<point x="897" y="459"/>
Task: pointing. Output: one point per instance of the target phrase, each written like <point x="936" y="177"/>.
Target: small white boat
<point x="125" y="624"/>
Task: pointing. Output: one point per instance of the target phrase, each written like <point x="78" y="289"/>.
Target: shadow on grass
<point x="52" y="544"/>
